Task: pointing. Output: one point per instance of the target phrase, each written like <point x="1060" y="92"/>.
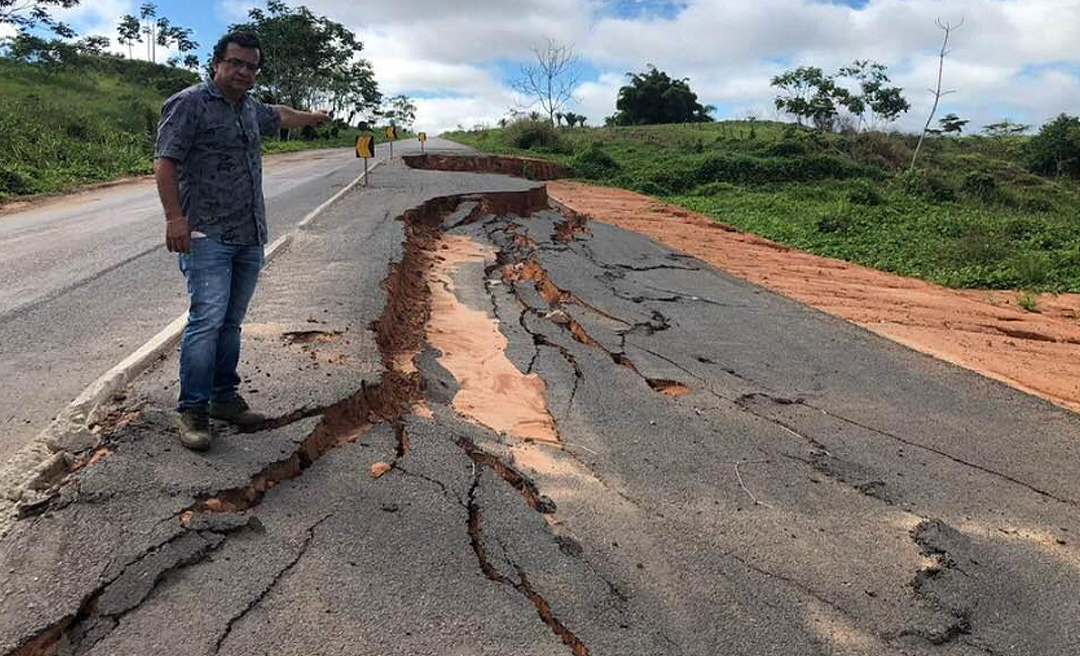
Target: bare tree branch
<point x="948" y="29"/>
<point x="552" y="80"/>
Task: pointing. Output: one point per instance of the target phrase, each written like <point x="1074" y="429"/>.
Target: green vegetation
<point x="972" y="215"/>
<point x="654" y="97"/>
<point x="1028" y="302"/>
<point x="63" y="126"/>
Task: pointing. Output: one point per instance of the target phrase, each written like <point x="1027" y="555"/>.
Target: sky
<point x="1017" y="59"/>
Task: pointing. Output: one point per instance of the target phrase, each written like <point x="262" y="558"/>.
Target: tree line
<point x="310" y="60"/>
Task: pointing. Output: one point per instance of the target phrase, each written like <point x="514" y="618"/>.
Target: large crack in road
<point x="688" y="495"/>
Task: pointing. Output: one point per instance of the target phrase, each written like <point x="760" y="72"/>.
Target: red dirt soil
<point x="983" y="331"/>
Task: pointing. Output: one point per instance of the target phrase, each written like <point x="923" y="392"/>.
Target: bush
<point x="748" y="170"/>
<point x="788" y="148"/>
<point x="1055" y="151"/>
<point x="926" y="185"/>
<point x="713" y="189"/>
<point x="15" y="182"/>
<point x="595" y="164"/>
<point x="863" y="193"/>
<point x="527" y="134"/>
<point x="881" y="150"/>
<point x="833" y="223"/>
<point x="1032" y="268"/>
<point x="980" y="185"/>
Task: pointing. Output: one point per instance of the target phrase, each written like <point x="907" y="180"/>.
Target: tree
<point x="168" y="34"/>
<point x="1056" y="149"/>
<point x="800" y="90"/>
<point x="50" y="53"/>
<point x="653" y="97"/>
<point x="401" y="111"/>
<point x="552" y="80"/>
<point x="1005" y="128"/>
<point x="875" y="101"/>
<point x="951" y="123"/>
<point x="573" y="119"/>
<point x="148" y="13"/>
<point x="93" y="45"/>
<point x="813" y="97"/>
<point x="129" y="32"/>
<point x="311" y="60"/>
<point x="27" y="14"/>
<point x="191" y="62"/>
<point x="948" y="29"/>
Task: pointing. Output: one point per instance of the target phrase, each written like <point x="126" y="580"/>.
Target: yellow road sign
<point x="391" y="132"/>
<point x="422" y="137"/>
<point x="365" y="146"/>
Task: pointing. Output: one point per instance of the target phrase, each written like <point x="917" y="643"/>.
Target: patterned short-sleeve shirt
<point x="219" y="151"/>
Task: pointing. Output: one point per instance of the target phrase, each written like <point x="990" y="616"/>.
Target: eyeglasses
<point x="238" y="63"/>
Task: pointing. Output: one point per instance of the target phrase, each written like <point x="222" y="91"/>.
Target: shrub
<point x="788" y="148"/>
<point x="1055" y="150"/>
<point x="1032" y="268"/>
<point x="833" y="223"/>
<point x="15" y="182"/>
<point x="881" y="150"/>
<point x="863" y="193"/>
<point x="979" y="184"/>
<point x="665" y="182"/>
<point x="749" y="170"/>
<point x="534" y="135"/>
<point x="595" y="164"/>
<point x="650" y="188"/>
<point x="713" y="189"/>
<point x="926" y="185"/>
<point x="1027" y="301"/>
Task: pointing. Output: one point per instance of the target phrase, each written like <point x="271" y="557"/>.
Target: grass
<point x="62" y="129"/>
<point x="970" y="217"/>
<point x="1028" y="301"/>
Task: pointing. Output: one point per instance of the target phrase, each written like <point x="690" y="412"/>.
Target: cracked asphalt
<point x="737" y="474"/>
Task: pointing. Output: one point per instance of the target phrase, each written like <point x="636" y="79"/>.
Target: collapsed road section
<point x="555" y="437"/>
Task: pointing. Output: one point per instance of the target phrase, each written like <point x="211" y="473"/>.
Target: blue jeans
<point x="221" y="280"/>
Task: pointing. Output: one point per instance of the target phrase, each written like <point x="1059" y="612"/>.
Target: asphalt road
<point x="85" y="279"/>
<point x="813" y="489"/>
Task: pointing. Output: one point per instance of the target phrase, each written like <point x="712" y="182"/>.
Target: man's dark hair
<point x="242" y="39"/>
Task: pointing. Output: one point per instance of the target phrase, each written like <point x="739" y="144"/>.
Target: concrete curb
<point x="30" y="474"/>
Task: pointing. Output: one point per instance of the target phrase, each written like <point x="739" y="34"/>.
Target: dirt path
<point x="980" y="330"/>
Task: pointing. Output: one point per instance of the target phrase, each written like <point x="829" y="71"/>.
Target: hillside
<point x="971" y="216"/>
<point x="62" y="127"/>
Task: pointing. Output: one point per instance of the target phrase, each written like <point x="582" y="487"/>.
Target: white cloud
<point x="729" y="49"/>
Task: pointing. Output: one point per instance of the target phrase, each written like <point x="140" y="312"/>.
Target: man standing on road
<point x="208" y="167"/>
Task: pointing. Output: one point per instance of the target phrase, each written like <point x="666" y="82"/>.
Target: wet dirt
<point x="492" y="391"/>
<point x="985" y="331"/>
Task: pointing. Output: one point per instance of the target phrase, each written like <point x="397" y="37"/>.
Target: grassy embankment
<point x="64" y="128"/>
<point x="971" y="216"/>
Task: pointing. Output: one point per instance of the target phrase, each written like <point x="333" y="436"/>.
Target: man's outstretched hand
<point x="178" y="235"/>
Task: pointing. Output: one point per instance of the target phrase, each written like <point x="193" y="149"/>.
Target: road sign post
<point x="365" y="149"/>
<point x="391" y="135"/>
<point x="422" y="137"/>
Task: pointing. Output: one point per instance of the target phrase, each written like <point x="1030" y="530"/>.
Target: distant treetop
<point x="654" y="97"/>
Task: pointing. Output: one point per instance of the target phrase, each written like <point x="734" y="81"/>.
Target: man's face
<point x="235" y="72"/>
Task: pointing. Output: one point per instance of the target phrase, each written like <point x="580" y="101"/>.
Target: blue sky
<point x="456" y="56"/>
